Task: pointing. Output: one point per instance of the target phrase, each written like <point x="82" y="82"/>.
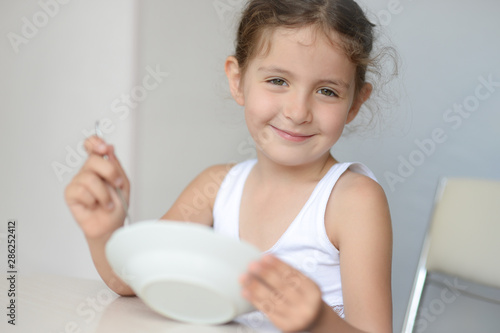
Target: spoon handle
<point x="118" y="190"/>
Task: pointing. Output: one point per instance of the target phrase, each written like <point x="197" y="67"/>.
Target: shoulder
<point x="196" y="202"/>
<point x="209" y="181"/>
<point x="215" y="173"/>
<point x="356" y="188"/>
<point x="356" y="202"/>
<point x="359" y="226"/>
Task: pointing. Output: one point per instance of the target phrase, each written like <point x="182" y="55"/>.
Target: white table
<point x="57" y="304"/>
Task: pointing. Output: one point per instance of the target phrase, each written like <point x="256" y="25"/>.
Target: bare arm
<point x="360" y="227"/>
<point x="96" y="207"/>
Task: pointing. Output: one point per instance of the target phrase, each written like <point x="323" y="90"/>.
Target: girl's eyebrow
<point x="278" y="70"/>
<point x="274" y="69"/>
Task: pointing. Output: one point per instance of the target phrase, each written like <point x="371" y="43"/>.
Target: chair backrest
<point x="464" y="235"/>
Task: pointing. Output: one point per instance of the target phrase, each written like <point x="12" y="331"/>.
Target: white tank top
<point x="305" y="244"/>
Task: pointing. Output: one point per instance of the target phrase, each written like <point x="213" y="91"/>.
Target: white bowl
<point x="182" y="270"/>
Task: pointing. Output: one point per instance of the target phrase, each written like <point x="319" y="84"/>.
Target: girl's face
<point x="297" y="97"/>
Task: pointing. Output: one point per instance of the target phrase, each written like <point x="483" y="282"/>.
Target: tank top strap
<point x="227" y="203"/>
<point x="325" y="186"/>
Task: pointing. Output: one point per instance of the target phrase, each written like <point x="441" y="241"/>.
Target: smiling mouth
<point x="291" y="136"/>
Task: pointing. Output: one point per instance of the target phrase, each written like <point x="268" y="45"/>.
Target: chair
<point x="463" y="238"/>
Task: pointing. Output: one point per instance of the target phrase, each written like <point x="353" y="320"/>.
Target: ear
<point x="234" y="77"/>
<point x="361" y="98"/>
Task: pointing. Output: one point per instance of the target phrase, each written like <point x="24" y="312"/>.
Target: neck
<point x="271" y="172"/>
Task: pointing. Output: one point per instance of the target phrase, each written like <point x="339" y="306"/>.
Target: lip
<point x="291" y="136"/>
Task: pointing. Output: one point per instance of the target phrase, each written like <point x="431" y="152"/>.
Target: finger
<point x="270" y="300"/>
<point x="261" y="283"/>
<point x="278" y="275"/>
<point x="96" y="187"/>
<point x="260" y="295"/>
<point x="286" y="309"/>
<point x="105" y="169"/>
<point x="77" y="194"/>
<point x="123" y="182"/>
<point x="95" y="145"/>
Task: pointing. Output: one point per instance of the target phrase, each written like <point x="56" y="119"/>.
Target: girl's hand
<point x="91" y="195"/>
<point x="291" y="300"/>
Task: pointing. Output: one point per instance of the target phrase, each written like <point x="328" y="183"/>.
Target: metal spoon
<point x="98" y="132"/>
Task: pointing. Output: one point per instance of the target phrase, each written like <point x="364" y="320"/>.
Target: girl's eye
<point x="278" y="82"/>
<point x="327" y="92"/>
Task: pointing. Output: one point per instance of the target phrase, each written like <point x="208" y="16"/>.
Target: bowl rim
<point x="120" y="254"/>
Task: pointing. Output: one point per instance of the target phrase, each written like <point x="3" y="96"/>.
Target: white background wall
<point x="74" y="70"/>
<point x="63" y="78"/>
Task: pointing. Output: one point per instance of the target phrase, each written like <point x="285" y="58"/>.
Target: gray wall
<point x="77" y="68"/>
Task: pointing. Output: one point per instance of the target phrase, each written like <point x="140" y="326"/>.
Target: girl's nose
<point x="298" y="108"/>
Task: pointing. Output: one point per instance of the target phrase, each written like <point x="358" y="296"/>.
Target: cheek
<point x="333" y="122"/>
<point x="260" y="106"/>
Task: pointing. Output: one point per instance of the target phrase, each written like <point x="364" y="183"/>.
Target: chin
<point x="290" y="159"/>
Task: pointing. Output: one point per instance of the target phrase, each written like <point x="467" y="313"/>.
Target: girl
<point x="299" y="71"/>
